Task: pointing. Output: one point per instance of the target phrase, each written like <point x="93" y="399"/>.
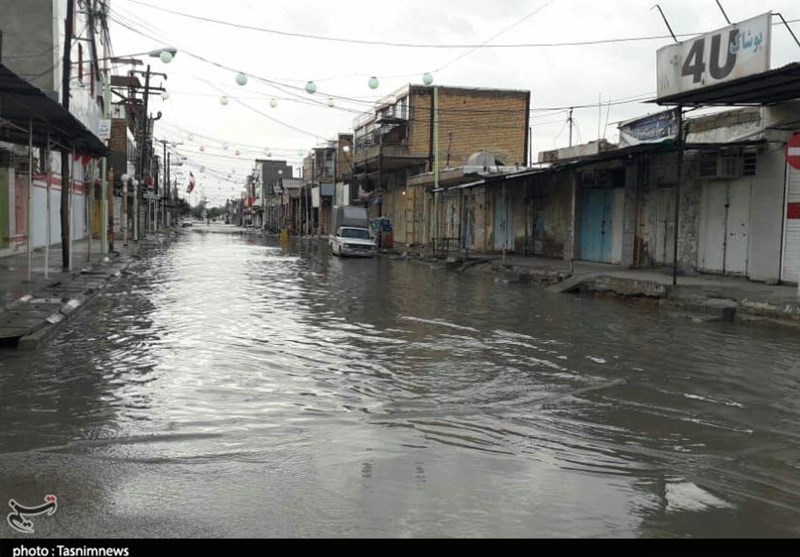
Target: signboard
<point x="793" y="152"/>
<point x="650" y="129"/>
<point x="315" y="197"/>
<point x="104" y="129"/>
<point x="729" y="53"/>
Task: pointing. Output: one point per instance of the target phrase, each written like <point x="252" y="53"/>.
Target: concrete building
<point x="319" y="177"/>
<point x="737" y="214"/>
<point x="33" y="48"/>
<point x="272" y="173"/>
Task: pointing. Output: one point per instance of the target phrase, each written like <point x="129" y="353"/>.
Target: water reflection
<point x="311" y="395"/>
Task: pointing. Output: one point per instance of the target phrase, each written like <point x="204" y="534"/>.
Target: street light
<point x="166" y="55"/>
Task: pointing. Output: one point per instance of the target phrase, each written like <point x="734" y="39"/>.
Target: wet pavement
<point x="236" y="387"/>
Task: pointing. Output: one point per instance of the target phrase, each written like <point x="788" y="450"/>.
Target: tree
<point x="184" y="208"/>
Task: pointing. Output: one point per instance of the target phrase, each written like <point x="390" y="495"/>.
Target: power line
<point x="302" y="97"/>
<point x="504" y="30"/>
<point x="417" y="45"/>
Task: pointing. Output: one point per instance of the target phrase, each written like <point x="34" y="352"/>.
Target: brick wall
<point x="470" y="120"/>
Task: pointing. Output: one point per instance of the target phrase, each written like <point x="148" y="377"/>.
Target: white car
<point x="352" y="241"/>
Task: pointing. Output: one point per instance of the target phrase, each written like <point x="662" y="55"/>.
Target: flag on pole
<point x="191" y="183"/>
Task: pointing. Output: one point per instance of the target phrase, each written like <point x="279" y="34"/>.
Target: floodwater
<point x="235" y="387"/>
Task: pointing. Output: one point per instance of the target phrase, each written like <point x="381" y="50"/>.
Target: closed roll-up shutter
<point x="791" y="234"/>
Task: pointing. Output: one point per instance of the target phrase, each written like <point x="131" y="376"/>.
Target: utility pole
<point x="106" y="229"/>
<point x="679" y="172"/>
<point x="162" y="180"/>
<point x="142" y="154"/>
<point x="66" y="175"/>
<point x="167" y="188"/>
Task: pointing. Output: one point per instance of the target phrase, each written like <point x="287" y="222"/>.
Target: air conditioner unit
<point x="719" y="166"/>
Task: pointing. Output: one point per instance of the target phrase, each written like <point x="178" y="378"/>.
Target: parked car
<point x="353" y="241"/>
<point x="186" y="224"/>
<point x="351" y="235"/>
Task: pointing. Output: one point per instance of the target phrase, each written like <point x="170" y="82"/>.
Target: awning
<point x="774" y="86"/>
<point x="22" y="104"/>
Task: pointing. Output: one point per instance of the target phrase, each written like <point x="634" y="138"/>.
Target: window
<point x="707" y="165"/>
<point x="355" y="233"/>
<point x="749" y="164"/>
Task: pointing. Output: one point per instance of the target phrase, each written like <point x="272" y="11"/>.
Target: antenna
<point x="723" y="12"/>
<point x="666" y="22"/>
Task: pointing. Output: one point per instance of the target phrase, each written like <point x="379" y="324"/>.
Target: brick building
<point x="398" y="140"/>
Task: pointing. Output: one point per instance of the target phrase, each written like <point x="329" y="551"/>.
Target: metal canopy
<point x="22" y="104"/>
<point x="774" y="86"/>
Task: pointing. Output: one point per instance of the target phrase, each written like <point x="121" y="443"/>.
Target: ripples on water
<point x="381" y="397"/>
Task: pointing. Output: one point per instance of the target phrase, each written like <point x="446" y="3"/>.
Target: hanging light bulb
<point x="241" y="79"/>
<point x="237" y="152"/>
<point x="223" y="101"/>
<point x="166" y="56"/>
<point x="427" y="78"/>
<point x="331" y="102"/>
<point x="311" y="87"/>
<point x="273" y="103"/>
<point x="269" y="153"/>
<point x="225" y="146"/>
<point x="164" y="96"/>
<point x="373" y="82"/>
<point x="202" y="148"/>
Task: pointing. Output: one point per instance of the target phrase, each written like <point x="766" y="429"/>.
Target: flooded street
<point x="234" y="387"/>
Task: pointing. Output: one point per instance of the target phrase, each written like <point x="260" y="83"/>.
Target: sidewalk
<point x="715" y="296"/>
<point x="32" y="311"/>
<point x="14" y="268"/>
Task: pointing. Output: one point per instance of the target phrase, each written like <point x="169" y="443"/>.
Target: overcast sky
<point x="278" y="66"/>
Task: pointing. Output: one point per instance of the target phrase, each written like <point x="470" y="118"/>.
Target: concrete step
<point x="570" y="284"/>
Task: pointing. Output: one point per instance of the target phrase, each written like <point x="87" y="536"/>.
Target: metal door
<point x="597" y="208"/>
<point x="737" y="230"/>
<point x="503" y="237"/>
<point x="724" y="227"/>
<point x="537" y="226"/>
<point x="663" y="227"/>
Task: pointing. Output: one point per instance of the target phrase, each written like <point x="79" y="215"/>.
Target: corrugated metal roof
<point x="22" y="103"/>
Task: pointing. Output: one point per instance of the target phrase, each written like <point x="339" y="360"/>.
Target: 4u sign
<point x="728" y="53"/>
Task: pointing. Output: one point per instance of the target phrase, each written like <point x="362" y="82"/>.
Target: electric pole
<point x="66" y="174"/>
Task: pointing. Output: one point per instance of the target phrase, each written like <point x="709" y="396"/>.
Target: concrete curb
<point x="55" y="322"/>
<point x="700" y="308"/>
<point x="77" y="295"/>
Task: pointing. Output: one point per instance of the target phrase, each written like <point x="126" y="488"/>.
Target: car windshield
<point x="355" y="233"/>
